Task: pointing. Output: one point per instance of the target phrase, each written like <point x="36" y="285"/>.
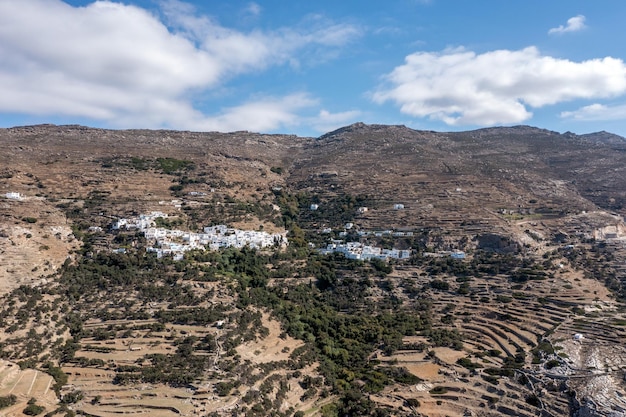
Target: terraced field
<point x="489" y="335"/>
<point x="519" y="347"/>
<point x="25" y="384"/>
<point x="97" y="363"/>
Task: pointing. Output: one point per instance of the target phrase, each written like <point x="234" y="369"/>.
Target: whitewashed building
<point x="356" y="250"/>
<point x="13" y="196"/>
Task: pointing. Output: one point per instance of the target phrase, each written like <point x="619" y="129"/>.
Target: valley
<point x="527" y="318"/>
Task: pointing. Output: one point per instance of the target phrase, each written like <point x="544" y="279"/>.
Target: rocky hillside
<point x="509" y="300"/>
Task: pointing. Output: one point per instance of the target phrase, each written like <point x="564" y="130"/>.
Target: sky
<point x="307" y="68"/>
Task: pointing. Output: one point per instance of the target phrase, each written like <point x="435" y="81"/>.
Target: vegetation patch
<point x="174" y="166"/>
<point x="438" y="390"/>
<point x="7" y="401"/>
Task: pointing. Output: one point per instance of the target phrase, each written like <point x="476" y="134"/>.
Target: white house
<point x="13" y="196"/>
<point x="356" y="250"/>
<point x="398" y="206"/>
<point x="168" y="242"/>
<point x="314" y="207"/>
<point x="119" y="224"/>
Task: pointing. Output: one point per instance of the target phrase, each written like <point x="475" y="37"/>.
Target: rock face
<point x="597" y="367"/>
<point x="35" y="239"/>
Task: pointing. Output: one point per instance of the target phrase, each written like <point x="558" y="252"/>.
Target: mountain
<point x="510" y="303"/>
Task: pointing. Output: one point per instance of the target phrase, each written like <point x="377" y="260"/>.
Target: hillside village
<point x="507" y="298"/>
<point x="174" y="243"/>
<point x="171" y="242"/>
<point x="359" y="251"/>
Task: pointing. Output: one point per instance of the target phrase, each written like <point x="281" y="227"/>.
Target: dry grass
<point x="25" y="385"/>
<point x="272" y="348"/>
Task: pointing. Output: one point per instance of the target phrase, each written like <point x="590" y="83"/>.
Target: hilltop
<point x="516" y="238"/>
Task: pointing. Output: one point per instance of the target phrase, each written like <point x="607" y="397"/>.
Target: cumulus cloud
<point x="574" y="24"/>
<point x="259" y="115"/>
<point x="126" y="66"/>
<point x="596" y="112"/>
<point x="326" y="121"/>
<point x="461" y="87"/>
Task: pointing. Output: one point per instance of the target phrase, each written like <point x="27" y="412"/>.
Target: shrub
<point x="32" y="409"/>
<point x="533" y="400"/>
<point x="500" y="372"/>
<point x="553" y="363"/>
<point x="468" y="364"/>
<point x="412" y="402"/>
<point x="491" y="400"/>
<point x="438" y="284"/>
<point x="439" y="390"/>
<point x="491" y="379"/>
<point x="72" y="397"/>
<point x="176" y="188"/>
<point x="7" y="401"/>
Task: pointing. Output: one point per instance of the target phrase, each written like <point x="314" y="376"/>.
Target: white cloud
<point x="260" y="115"/>
<point x="574" y="24"/>
<point x="126" y="67"/>
<point x="265" y="114"/>
<point x="461" y="87"/>
<point x="325" y="121"/>
<point x="596" y="112"/>
<point x="253" y="9"/>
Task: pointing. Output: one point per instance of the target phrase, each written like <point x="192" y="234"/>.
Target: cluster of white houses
<point x="356" y="250"/>
<point x="176" y="242"/>
<point x="13" y="196"/>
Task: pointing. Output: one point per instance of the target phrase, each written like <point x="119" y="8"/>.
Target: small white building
<point x="398" y="206"/>
<point x="13" y="196"/>
<point x="314" y="207"/>
<point x="120" y="223"/>
<point x="362" y="210"/>
<point x="349" y="226"/>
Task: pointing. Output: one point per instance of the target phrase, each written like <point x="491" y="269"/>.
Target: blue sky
<point x="310" y="67"/>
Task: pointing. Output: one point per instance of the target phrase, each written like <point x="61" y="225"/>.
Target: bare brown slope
<point x="56" y="167"/>
<point x="466" y="175"/>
